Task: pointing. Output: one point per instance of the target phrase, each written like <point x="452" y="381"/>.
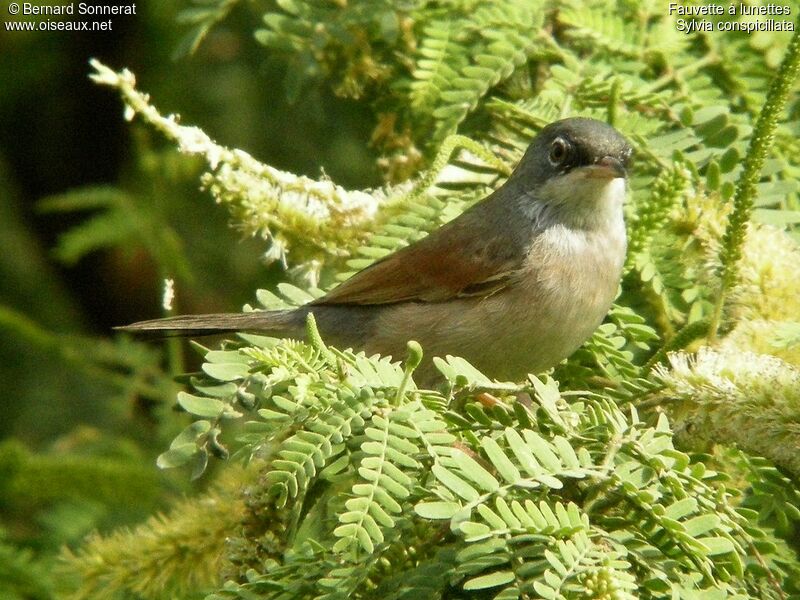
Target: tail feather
<point x="287" y="323"/>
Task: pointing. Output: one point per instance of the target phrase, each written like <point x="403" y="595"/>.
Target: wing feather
<point x="463" y="258"/>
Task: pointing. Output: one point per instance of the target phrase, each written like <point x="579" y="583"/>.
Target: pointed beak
<point x="608" y="167"/>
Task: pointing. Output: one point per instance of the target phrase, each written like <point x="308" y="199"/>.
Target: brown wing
<point x="466" y="257"/>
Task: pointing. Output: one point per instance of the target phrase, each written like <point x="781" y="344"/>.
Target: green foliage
<point x="132" y="369"/>
<point x="175" y="554"/>
<point x="451" y="79"/>
<point x="120" y="221"/>
<point x="30" y="480"/>
<point x="772" y="494"/>
<point x="21" y="577"/>
<point x="379" y="481"/>
<point x="344" y="42"/>
<point x="202" y="17"/>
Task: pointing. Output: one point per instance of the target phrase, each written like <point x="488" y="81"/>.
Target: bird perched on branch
<point x="514" y="284"/>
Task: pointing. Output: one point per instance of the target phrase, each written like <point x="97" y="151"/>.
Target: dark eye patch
<point x="579" y="156"/>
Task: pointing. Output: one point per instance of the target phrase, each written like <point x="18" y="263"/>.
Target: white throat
<point x="580" y="201"/>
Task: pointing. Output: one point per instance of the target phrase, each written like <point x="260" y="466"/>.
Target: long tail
<point x="287" y="323"/>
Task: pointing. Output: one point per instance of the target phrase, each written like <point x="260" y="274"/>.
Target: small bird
<point x="514" y="285"/>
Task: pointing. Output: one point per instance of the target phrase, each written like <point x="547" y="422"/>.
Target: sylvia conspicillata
<point x="514" y="285"/>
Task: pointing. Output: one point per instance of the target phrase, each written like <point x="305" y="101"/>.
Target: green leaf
<point x="541" y="449"/>
<point x="200" y="406"/>
<point x="226" y="356"/>
<point x="548" y="396"/>
<point x="473" y="470"/>
<point x="226" y="371"/>
<point x="177" y="456"/>
<point x="191" y="433"/>
<point x="336" y="467"/>
<point x="455" y="483"/>
<point x="699" y="525"/>
<point x="544" y="591"/>
<point x="222" y="390"/>
<point x="566" y="452"/>
<point x="437" y="510"/>
<point x="474" y="531"/>
<point x="272" y="415"/>
<point x="522" y="452"/>
<point x="500" y="461"/>
<point x="459" y="366"/>
<point x="681" y="508"/>
<point x="492" y="519"/>
<point x="717" y="545"/>
<point x="294" y="295"/>
<point x="489" y="581"/>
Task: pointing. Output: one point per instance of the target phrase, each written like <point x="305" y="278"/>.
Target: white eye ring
<point x="558" y="151"/>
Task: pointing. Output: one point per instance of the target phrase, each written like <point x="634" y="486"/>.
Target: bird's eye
<point x="558" y="152"/>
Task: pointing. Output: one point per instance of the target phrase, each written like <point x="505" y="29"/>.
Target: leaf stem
<point x="412" y="362"/>
<point x="733" y="239"/>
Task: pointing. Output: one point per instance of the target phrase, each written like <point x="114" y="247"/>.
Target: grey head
<point x="569" y="144"/>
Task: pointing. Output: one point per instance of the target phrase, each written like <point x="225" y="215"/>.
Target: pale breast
<point x="527" y="328"/>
